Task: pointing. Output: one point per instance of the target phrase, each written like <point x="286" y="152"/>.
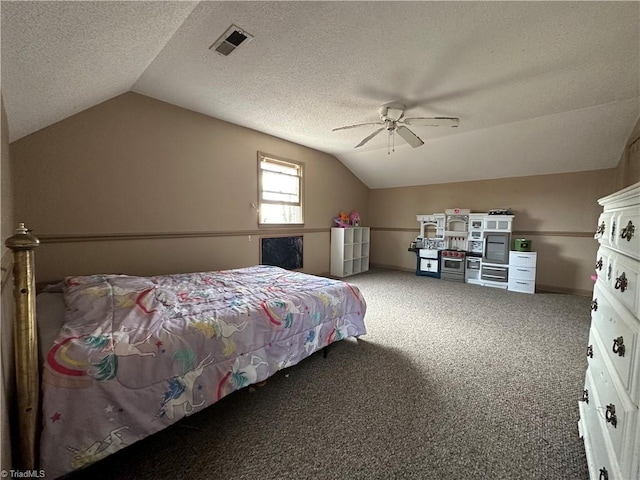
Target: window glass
<point x="280" y="190"/>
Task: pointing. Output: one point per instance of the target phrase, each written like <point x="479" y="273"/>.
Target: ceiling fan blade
<point x="369" y="137"/>
<point x="432" y="121"/>
<point x="409" y="137"/>
<point x="358" y="125"/>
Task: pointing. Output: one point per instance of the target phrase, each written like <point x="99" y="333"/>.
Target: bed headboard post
<point x="25" y="343"/>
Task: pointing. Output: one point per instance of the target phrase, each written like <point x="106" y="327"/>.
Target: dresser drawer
<point x="603" y="266"/>
<point x="624" y="281"/>
<point x="599" y="457"/>
<point x="628" y="231"/>
<point x="618" y="332"/>
<point x="618" y="415"/>
<point x="606" y="229"/>
<point x="522" y="259"/>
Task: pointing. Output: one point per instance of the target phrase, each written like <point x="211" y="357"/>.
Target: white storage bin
<point x="522" y="259"/>
<point x="522" y="271"/>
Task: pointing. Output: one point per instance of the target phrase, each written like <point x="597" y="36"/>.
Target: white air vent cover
<point x="230" y="40"/>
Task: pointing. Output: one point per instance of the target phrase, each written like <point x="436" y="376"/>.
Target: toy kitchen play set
<point x="461" y="246"/>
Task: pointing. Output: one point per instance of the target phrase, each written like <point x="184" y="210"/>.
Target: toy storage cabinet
<point x="349" y="251"/>
<point x="609" y="421"/>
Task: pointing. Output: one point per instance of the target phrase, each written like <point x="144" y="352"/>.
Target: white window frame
<point x="291" y="205"/>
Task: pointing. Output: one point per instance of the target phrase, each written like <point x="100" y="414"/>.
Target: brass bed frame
<point x="26" y="355"/>
<point x="25" y="346"/>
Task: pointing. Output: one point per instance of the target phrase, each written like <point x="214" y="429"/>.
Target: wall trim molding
<point x="52" y="238"/>
<point x="542" y="233"/>
<point x="515" y="233"/>
<point x="49" y="238"/>
<point x="395" y="229"/>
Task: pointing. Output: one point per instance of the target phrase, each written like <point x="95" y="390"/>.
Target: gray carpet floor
<point x="452" y="381"/>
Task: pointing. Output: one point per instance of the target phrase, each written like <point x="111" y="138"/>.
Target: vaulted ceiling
<point x="539" y="87"/>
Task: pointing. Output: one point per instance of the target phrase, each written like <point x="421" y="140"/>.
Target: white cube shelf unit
<point x="349" y="251"/>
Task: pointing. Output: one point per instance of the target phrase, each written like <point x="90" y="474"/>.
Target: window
<point x="280" y="190"/>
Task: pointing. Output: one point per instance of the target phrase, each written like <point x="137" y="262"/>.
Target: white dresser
<point x="609" y="420"/>
<point x="522" y="271"/>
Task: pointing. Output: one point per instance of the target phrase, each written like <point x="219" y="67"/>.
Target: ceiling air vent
<point x="231" y="40"/>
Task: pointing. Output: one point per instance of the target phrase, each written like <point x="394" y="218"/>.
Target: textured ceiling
<point x="539" y="87"/>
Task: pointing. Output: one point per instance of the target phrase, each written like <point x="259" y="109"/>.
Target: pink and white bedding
<point x="136" y="354"/>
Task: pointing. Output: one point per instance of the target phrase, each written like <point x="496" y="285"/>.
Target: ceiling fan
<point x="393" y="120"/>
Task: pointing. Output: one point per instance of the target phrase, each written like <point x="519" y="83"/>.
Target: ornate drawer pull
<point x="585" y="396"/>
<point x="628" y="231"/>
<point x="621" y="282"/>
<point x="603" y="474"/>
<point x="613" y="231"/>
<point x="618" y="346"/>
<point x="599" y="230"/>
<point x="609" y="272"/>
<point x="590" y="351"/>
<point x="594" y="304"/>
<point x="599" y="264"/>
<point x="610" y="415"/>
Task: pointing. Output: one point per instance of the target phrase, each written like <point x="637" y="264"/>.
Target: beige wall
<point x="628" y="169"/>
<point x="557" y="212"/>
<point x="7" y="377"/>
<point x="6" y="198"/>
<point x="134" y="164"/>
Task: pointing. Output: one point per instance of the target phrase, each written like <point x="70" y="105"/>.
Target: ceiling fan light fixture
<point x="391" y="142"/>
<point x="392" y="119"/>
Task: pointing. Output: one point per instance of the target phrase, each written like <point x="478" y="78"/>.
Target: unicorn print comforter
<point x="136" y="354"/>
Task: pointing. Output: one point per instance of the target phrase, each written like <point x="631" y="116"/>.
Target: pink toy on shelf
<point x="354" y="219"/>
<point x="345" y="220"/>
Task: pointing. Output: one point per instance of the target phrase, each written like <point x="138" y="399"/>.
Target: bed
<point x="137" y="354"/>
